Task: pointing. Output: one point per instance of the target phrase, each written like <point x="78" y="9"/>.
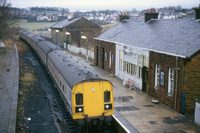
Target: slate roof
<point x="64" y="23"/>
<point x="179" y="37"/>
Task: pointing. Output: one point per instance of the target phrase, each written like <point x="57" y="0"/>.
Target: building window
<point x="140" y="60"/>
<point x="133" y="71"/>
<point x="146" y="61"/>
<point x="129" y="68"/>
<point x="110" y="59"/>
<point x="171" y="82"/>
<point x="157" y="76"/>
<point x="120" y="59"/>
<point x="140" y="72"/>
<point x="106" y="56"/>
<point x="140" y="64"/>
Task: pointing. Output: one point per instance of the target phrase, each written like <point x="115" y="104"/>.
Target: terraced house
<point x="161" y="56"/>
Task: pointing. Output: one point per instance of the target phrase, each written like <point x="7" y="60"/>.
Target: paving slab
<point x="9" y="81"/>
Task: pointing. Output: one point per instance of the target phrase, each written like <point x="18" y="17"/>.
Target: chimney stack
<point x="124" y="16"/>
<point x="197" y="10"/>
<point x="151" y="14"/>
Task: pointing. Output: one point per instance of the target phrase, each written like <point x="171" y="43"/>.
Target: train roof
<point x="37" y="38"/>
<point x="47" y="46"/>
<point x="70" y="69"/>
<point x="30" y="34"/>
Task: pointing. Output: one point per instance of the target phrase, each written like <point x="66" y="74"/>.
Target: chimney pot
<point x="147" y="10"/>
<point x="121" y="13"/>
<point x="151" y="10"/>
<point x="154" y="10"/>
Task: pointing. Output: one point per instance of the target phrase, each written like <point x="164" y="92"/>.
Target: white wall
<point x="131" y="58"/>
<point x="79" y="50"/>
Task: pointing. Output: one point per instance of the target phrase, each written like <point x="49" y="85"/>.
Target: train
<point x="87" y="97"/>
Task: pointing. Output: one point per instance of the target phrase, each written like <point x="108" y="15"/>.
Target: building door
<point x="97" y="56"/>
<point x="144" y="79"/>
<point x="103" y="58"/>
<point x="183" y="99"/>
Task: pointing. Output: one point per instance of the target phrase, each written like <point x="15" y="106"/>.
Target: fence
<point x="79" y="50"/>
<point x="197" y="112"/>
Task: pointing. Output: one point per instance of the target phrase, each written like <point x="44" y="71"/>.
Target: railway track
<point x="71" y="125"/>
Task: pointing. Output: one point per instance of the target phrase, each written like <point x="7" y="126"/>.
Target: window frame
<point x="77" y="100"/>
<point x="157" y="76"/>
<point x="171" y="74"/>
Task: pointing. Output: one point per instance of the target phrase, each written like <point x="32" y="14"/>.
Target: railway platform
<point x="9" y="80"/>
<point x="137" y="112"/>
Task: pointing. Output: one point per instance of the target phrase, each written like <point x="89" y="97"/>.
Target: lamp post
<point x="84" y="37"/>
<point x="57" y="31"/>
<point x="68" y="34"/>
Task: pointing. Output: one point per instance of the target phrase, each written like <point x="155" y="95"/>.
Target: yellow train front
<point x="93" y="102"/>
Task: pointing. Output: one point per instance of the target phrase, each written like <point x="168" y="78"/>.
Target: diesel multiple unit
<point x="88" y="98"/>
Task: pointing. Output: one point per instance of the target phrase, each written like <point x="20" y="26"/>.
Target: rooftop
<point x="64" y="23"/>
<point x="180" y="37"/>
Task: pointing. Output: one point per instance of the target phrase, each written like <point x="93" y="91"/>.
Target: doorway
<point x="145" y="79"/>
<point x="103" y="57"/>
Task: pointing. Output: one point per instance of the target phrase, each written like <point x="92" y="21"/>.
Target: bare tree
<point x="6" y="17"/>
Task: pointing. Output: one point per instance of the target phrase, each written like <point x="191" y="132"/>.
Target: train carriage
<point x="43" y="48"/>
<point x="89" y="98"/>
<point x="34" y="41"/>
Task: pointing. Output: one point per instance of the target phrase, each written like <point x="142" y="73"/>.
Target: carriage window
<point x="79" y="99"/>
<point x="107" y="96"/>
<point x="63" y="88"/>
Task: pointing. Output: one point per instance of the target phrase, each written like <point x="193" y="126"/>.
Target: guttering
<point x="176" y="88"/>
<point x="157" y="51"/>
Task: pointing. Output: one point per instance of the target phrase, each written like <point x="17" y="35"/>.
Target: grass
<point x="33" y="26"/>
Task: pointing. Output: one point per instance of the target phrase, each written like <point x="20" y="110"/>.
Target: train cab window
<point x="107" y="96"/>
<point x="79" y="99"/>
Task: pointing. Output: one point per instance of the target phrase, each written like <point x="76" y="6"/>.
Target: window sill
<point x="156" y="88"/>
<point x="170" y="95"/>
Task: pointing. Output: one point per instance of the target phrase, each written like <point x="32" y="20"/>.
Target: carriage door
<point x="93" y="99"/>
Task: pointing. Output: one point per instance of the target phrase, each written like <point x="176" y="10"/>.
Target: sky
<point x="88" y="5"/>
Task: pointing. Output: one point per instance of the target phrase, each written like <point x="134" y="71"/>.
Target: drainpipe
<point x="176" y="88"/>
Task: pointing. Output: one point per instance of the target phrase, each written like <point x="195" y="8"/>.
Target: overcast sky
<point x="88" y="5"/>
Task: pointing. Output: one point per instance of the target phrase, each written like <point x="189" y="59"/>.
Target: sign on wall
<point x="162" y="78"/>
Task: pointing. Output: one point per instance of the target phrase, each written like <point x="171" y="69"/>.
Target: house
<point x="70" y="31"/>
<point x="166" y="14"/>
<point x="161" y="55"/>
<point x="175" y="65"/>
<point x="42" y="18"/>
<point x="117" y="54"/>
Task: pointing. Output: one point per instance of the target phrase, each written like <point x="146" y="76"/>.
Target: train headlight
<point x="78" y="109"/>
<point x="107" y="106"/>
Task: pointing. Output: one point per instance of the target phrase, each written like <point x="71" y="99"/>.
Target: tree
<point x="6" y="17"/>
